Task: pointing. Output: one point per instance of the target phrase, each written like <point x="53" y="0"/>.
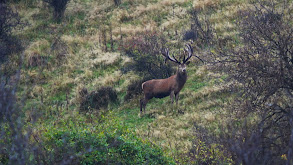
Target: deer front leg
<point x="177" y="98"/>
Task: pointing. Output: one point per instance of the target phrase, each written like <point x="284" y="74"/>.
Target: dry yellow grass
<point x="129" y="77"/>
<point x="172" y="2"/>
<point x="37" y="91"/>
<point x="141" y="9"/>
<point x="40" y="46"/>
<point x="169" y="133"/>
<point x="204" y="4"/>
<point x="61" y="83"/>
<point x="108" y="79"/>
<point x="132" y="30"/>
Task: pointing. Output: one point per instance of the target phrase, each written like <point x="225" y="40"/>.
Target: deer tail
<point x="142" y="85"/>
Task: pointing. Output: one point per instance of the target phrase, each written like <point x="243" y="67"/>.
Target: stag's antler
<point x="190" y="53"/>
<point x="165" y="53"/>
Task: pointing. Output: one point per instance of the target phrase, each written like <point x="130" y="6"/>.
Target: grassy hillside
<point x="61" y="59"/>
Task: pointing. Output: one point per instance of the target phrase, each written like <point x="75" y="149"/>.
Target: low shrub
<point x="98" y="99"/>
<point x="134" y="88"/>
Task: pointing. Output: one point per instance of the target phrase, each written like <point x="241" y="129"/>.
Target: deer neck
<point x="181" y="78"/>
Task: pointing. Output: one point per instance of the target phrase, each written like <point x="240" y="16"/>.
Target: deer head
<point x="181" y="65"/>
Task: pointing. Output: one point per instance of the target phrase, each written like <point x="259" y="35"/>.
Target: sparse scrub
<point x="201" y="30"/>
<point x="206" y="149"/>
<point x="261" y="70"/>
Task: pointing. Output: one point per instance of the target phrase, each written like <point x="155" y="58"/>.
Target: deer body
<point x="160" y="88"/>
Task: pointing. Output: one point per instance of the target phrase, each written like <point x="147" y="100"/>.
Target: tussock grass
<point x="40" y="47"/>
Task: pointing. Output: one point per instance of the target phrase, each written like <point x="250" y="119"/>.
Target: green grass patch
<point x="131" y="118"/>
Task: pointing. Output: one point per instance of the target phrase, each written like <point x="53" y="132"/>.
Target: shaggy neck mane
<point x="181" y="77"/>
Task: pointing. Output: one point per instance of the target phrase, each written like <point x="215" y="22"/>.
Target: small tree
<point x="117" y="2"/>
<point x="59" y="7"/>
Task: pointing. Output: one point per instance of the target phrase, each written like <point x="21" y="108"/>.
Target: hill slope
<point x="63" y="59"/>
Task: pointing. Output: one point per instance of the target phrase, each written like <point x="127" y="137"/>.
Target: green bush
<point x="105" y="143"/>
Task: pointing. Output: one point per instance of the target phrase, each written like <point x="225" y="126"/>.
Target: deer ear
<point x="187" y="62"/>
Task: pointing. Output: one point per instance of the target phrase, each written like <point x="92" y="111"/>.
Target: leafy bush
<point x="59" y="7"/>
<point x="98" y="99"/>
<point x="145" y="50"/>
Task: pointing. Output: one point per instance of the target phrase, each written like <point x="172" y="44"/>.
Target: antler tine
<point x="165" y="53"/>
<point x="190" y="53"/>
<point x="175" y="59"/>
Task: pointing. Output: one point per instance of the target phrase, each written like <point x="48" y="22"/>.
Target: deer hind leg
<point x="172" y="97"/>
<point x="141" y="106"/>
<point x="143" y="103"/>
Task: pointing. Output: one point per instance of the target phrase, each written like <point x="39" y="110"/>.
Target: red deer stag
<point x="160" y="88"/>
